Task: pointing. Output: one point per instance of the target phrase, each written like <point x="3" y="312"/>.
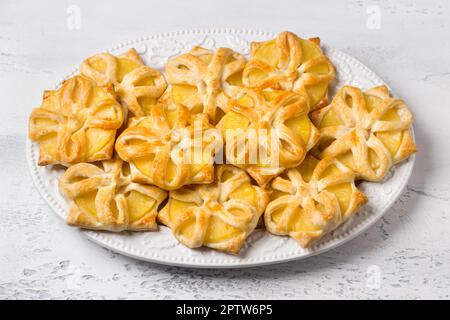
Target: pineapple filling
<point x="245" y="101"/>
<point x="188" y="227"/>
<point x="176" y="207"/>
<point x="147" y="81"/>
<point x="391" y="139"/>
<point x="275" y="194"/>
<point x="343" y="192"/>
<point x="256" y="75"/>
<point x="233" y="120"/>
<point x="246" y="193"/>
<point x="144" y="164"/>
<point x="182" y="92"/>
<point x="347" y="159"/>
<point x="329" y="171"/>
<point x="86" y="202"/>
<point x="269" y="95"/>
<point x="267" y="53"/>
<point x="147" y="122"/>
<point x="331" y="118"/>
<point x="146" y="103"/>
<point x="309" y="50"/>
<point x="316" y="92"/>
<point x="300" y="221"/>
<point x="235" y="79"/>
<point x="125" y="66"/>
<point x="48" y="144"/>
<point x="301" y="126"/>
<point x="138" y="205"/>
<point x="219" y="231"/>
<point x="277" y="215"/>
<point x="97" y="139"/>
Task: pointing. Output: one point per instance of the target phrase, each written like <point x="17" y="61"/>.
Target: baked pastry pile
<point x="218" y="145"/>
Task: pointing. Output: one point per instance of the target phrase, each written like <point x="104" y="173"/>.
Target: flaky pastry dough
<point x="138" y="86"/>
<point x="275" y="128"/>
<point x="76" y="123"/>
<point x="169" y="147"/>
<point x="203" y="80"/>
<point x="219" y="215"/>
<point x="369" y="132"/>
<point x="311" y="200"/>
<point x="290" y="63"/>
<point x="104" y="198"/>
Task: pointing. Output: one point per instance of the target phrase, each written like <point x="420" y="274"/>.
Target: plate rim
<point x="244" y="263"/>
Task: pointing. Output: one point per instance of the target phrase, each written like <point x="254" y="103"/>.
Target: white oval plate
<point x="262" y="248"/>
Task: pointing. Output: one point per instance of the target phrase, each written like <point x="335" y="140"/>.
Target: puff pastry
<point x="169" y="148"/>
<point x="138" y="86"/>
<point x="203" y="80"/>
<point x="76" y="123"/>
<point x="311" y="200"/>
<point x="289" y="62"/>
<point x="220" y="215"/>
<point x="104" y="198"/>
<point x="267" y="131"/>
<point x="368" y="132"/>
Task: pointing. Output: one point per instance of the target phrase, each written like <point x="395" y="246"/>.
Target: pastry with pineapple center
<point x="103" y="197"/>
<point x="170" y="148"/>
<point x="290" y="63"/>
<point x="267" y="131"/>
<point x="366" y="131"/>
<point x="138" y="86"/>
<point x="220" y="215"/>
<point x="204" y="80"/>
<point x="76" y="123"/>
<point x="311" y="200"/>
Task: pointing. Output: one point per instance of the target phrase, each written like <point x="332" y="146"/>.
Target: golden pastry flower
<point x="104" y="197"/>
<point x="76" y="123"/>
<point x="368" y="132"/>
<point x="267" y="131"/>
<point x="311" y="200"/>
<point x="290" y="63"/>
<point x="138" y="86"/>
<point x="203" y="80"/>
<point x="169" y="148"/>
<point x="220" y="215"/>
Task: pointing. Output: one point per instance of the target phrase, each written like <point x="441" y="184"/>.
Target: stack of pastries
<point x="121" y="128"/>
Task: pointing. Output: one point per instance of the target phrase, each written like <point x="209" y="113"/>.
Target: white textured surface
<point x="41" y="258"/>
